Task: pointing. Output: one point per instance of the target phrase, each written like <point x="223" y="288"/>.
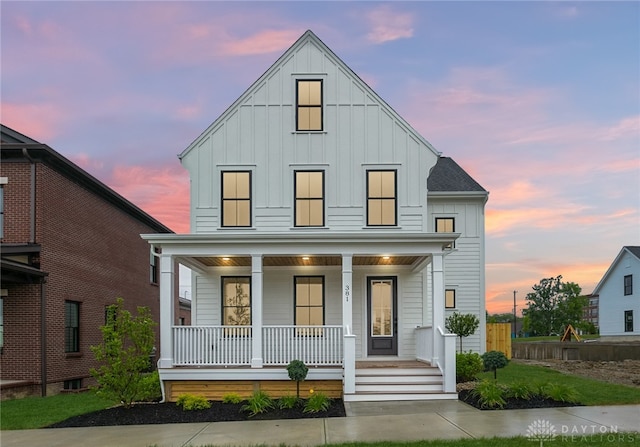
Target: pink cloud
<point x="264" y="42"/>
<point x="40" y="121"/>
<point x="388" y="25"/>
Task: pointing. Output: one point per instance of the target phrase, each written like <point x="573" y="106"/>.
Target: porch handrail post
<point x="449" y="354"/>
<point x="349" y="362"/>
<point x="256" y="312"/>
<point x="437" y="314"/>
<point x="167" y="281"/>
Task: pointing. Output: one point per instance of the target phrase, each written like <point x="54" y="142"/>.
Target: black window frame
<point x="223" y="297"/>
<point x="297" y="199"/>
<point x="453" y="230"/>
<point x="71" y="327"/>
<point x="628" y="320"/>
<point x="223" y="200"/>
<point x="628" y="285"/>
<point x="303" y="331"/>
<point x="309" y="106"/>
<point x="454" y="298"/>
<point x="154" y="266"/>
<point x="381" y="198"/>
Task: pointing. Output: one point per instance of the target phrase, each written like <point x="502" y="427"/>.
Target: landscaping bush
<point x="150" y="390"/>
<point x="231" y="398"/>
<point x="297" y="371"/>
<point x="493" y="360"/>
<point x="189" y="402"/>
<point x="468" y="366"/>
<point x="519" y="390"/>
<point x="316" y="403"/>
<point x="489" y="394"/>
<point x="259" y="402"/>
<point x="287" y="402"/>
<point x="561" y="392"/>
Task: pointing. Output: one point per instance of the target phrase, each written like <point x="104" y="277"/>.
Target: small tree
<point x="494" y="360"/>
<point x="462" y="325"/>
<point x="127" y="343"/>
<point x="297" y="371"/>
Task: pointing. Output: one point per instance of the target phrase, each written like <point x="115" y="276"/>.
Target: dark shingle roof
<point x="448" y="176"/>
<point x="634" y="249"/>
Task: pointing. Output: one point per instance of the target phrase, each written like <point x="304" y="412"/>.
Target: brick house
<point x="70" y="246"/>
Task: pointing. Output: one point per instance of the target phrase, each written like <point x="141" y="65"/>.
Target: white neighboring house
<point x="324" y="228"/>
<point x="619" y="300"/>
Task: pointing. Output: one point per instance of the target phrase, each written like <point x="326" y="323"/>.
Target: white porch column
<point x="167" y="279"/>
<point x="437" y="309"/>
<point x="349" y="346"/>
<point x="256" y="311"/>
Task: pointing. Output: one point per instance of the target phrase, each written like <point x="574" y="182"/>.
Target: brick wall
<point x="93" y="253"/>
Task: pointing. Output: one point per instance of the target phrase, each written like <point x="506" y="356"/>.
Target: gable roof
<point x="448" y="176"/>
<point x="307" y="37"/>
<point x="634" y="250"/>
<point x="15" y="146"/>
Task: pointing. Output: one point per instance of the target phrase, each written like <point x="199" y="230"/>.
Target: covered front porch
<point x="210" y="351"/>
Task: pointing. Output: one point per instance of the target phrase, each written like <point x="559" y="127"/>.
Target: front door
<point x="382" y="325"/>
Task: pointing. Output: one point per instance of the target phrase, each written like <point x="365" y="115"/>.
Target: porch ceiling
<point x="288" y="261"/>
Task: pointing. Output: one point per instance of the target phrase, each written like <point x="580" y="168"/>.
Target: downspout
<point x="43" y="338"/>
<point x="32" y="205"/>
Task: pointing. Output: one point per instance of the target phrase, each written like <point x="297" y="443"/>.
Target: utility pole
<point x="514" y="314"/>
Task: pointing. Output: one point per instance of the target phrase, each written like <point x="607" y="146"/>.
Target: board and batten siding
<point x="613" y="302"/>
<point x="258" y="134"/>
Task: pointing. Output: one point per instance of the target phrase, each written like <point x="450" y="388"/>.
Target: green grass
<point x="592" y="392"/>
<point x="38" y="412"/>
<point x="626" y="439"/>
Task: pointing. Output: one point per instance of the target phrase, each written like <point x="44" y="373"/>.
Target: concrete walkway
<point x="379" y="421"/>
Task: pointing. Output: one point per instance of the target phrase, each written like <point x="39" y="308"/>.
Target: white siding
<point x="613" y="303"/>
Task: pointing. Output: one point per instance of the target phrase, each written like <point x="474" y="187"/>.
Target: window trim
<point x="454" y="298"/>
<point x="154" y="267"/>
<point x="71" y="333"/>
<point x="395" y="198"/>
<point x="310" y="199"/>
<point x="223" y="200"/>
<point x="628" y="285"/>
<point x="320" y="106"/>
<point x="301" y="332"/>
<point x="453" y="230"/>
<point x="223" y="300"/>
<point x="627" y="320"/>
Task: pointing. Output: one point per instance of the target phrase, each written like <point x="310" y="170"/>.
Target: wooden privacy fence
<point x="499" y="338"/>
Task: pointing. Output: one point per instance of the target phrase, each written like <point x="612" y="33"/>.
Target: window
<point x="236" y="303"/>
<point x="236" y="199"/>
<point x="449" y="298"/>
<point x="71" y="326"/>
<point x="309" y="187"/>
<point x="73" y="384"/>
<point x="381" y="198"/>
<point x="446" y="225"/>
<point x="628" y="321"/>
<point x="154" y="270"/>
<point x="628" y="285"/>
<point x="309" y="105"/>
<point x="309" y="304"/>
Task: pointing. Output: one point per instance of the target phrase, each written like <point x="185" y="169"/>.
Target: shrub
<point x="468" y="366"/>
<point x="561" y="392"/>
<point x="189" y="402"/>
<point x="127" y="343"/>
<point x="493" y="360"/>
<point x="287" y="402"/>
<point x="316" y="403"/>
<point x="489" y="394"/>
<point x="231" y="398"/>
<point x="297" y="371"/>
<point x="520" y="390"/>
<point x="150" y="390"/>
<point x="259" y="402"/>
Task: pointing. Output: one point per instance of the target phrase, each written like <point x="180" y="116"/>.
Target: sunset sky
<point x="538" y="101"/>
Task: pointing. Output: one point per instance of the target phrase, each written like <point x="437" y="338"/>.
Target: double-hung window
<point x="236" y="198"/>
<point x="446" y="225"/>
<point x="236" y="301"/>
<point x="309" y="187"/>
<point x="309" y="304"/>
<point x="381" y="198"/>
<point x="449" y="298"/>
<point x="71" y="326"/>
<point x="628" y="285"/>
<point x="309" y="105"/>
<point x="628" y="321"/>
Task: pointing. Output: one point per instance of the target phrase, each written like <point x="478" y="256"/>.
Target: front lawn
<point x="592" y="392"/>
<point x="37" y="412"/>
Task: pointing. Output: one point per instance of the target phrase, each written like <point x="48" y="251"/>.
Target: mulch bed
<point x="466" y="396"/>
<point x="170" y="413"/>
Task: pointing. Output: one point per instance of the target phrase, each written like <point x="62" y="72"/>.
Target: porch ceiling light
<point x="305" y="258"/>
<point x="225" y="259"/>
<point x="386" y="258"/>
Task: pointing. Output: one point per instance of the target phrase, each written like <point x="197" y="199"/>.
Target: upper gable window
<point x="628" y="285"/>
<point x="381" y="198"/>
<point x="309" y="105"/>
<point x="236" y="199"/>
<point x="309" y="186"/>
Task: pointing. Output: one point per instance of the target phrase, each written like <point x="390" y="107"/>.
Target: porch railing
<point x="232" y="345"/>
<point x="314" y="345"/>
<point x="424" y="343"/>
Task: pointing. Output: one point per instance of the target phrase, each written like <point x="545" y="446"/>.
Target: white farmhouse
<point x="619" y="301"/>
<point x="324" y="228"/>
